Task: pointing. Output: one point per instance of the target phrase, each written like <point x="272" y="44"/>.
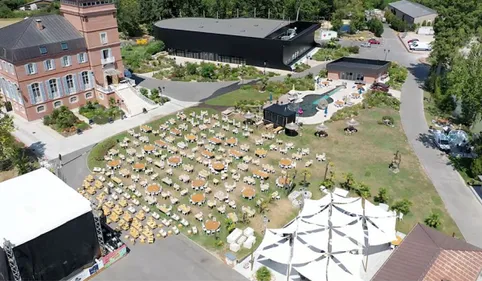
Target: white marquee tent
<point x="326" y="240"/>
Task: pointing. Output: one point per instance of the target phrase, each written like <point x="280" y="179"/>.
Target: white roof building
<point x="329" y="238"/>
<point x="36" y="203"/>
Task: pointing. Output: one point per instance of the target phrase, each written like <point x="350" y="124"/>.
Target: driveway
<point x="459" y="200"/>
<point x="173" y="258"/>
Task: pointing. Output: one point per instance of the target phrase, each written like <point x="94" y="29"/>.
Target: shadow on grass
<point x="462" y="165"/>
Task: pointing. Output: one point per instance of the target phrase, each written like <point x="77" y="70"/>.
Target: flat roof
<point x="36" y="203"/>
<point x="247" y="27"/>
<point x="280" y="110"/>
<point x="358" y="63"/>
<point x="414" y="10"/>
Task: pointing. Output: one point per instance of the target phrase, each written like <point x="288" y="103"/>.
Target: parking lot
<point x="173" y="258"/>
<point x="408" y="36"/>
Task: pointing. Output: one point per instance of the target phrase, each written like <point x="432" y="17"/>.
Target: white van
<point x="420" y="46"/>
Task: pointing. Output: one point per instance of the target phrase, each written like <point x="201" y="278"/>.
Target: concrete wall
<point x="428" y="18"/>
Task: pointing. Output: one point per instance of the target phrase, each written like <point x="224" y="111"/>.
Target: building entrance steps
<point x="133" y="100"/>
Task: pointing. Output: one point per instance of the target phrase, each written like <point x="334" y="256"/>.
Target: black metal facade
<point x="269" y="52"/>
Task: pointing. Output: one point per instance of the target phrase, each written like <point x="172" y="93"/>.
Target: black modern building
<point x="279" y="115"/>
<point x="251" y="41"/>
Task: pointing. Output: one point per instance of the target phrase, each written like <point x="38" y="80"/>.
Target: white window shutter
<point x="26" y="69"/>
<point x="52" y="61"/>
<point x="34" y="66"/>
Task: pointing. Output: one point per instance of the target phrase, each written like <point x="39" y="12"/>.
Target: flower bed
<point x="64" y="121"/>
<point x="99" y="114"/>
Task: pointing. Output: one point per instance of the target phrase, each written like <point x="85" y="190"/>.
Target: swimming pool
<point x="310" y="102"/>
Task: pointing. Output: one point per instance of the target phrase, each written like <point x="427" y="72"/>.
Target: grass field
<point x="230" y="99"/>
<point x="366" y="155"/>
<point x="5" y="22"/>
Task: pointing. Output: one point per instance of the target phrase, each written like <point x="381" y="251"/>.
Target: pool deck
<point x="320" y="116"/>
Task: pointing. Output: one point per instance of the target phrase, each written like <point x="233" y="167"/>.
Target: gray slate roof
<point x="21" y="41"/>
<point x="358" y="65"/>
<point x="246" y="27"/>
<point x="411" y="9"/>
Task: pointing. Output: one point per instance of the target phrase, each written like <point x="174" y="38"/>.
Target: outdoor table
<point x="198" y="183"/>
<point x="207" y="154"/>
<point x="146" y="128"/>
<point x="116" y="180"/>
<point x="160" y="143"/>
<point x="285" y="162"/>
<point x="215" y="141"/>
<point x="124" y="172"/>
<point x="339" y="103"/>
<point x="153" y="189"/>
<point x="233" y="217"/>
<point x="139" y="166"/>
<point x="89" y="178"/>
<point x="174" y="160"/>
<point x="232" y="141"/>
<point x="248" y="192"/>
<point x="355" y="95"/>
<point x="397" y="241"/>
<point x="260" y="152"/>
<point x="190" y="138"/>
<point x="235" y="153"/>
<point x="197" y="198"/>
<point x="114" y="163"/>
<point x="175" y="132"/>
<point x="218" y="166"/>
<point x="212" y="225"/>
<point x="325" y="82"/>
<point x="282" y="181"/>
<point x="260" y="174"/>
<point x="148" y="148"/>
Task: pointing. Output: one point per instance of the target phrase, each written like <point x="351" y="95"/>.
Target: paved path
<point x="458" y="198"/>
<point x="173" y="258"/>
<point x="48" y="143"/>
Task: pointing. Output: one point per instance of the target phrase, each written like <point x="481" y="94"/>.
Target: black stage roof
<point x="280" y="110"/>
<point x="358" y="65"/>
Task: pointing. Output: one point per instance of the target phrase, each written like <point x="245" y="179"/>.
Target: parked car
<point x="374" y="41"/>
<point x="380" y="87"/>
<point x="365" y="45"/>
<point x="420" y="46"/>
<point x="413" y="40"/>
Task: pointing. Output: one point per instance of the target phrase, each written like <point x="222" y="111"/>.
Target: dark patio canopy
<point x="279" y="115"/>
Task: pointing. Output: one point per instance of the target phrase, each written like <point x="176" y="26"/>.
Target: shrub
<point x="401" y="206"/>
<point x="101" y="149"/>
<point x="433" y="220"/>
<point x="379" y="99"/>
<point x="346" y="112"/>
<point x="388" y="120"/>
<point x="353" y="49"/>
<point x="263" y="274"/>
<point x="47" y="120"/>
<point x="382" y="196"/>
<point x="154" y="47"/>
<point x="475" y="166"/>
<point x="424" y="23"/>
<point x="323" y="73"/>
<point x="144" y="92"/>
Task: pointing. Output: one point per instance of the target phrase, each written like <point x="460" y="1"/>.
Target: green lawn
<point x="230" y="99"/>
<point x="366" y="155"/>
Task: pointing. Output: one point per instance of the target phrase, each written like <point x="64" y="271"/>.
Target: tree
<point x="349" y="182"/>
<point x="382" y="196"/>
<point x="230" y="225"/>
<point x="306" y="175"/>
<point x="375" y="26"/>
<point x="363" y="191"/>
<point x="191" y="68"/>
<point x="7" y="141"/>
<point x="263" y="207"/>
<point x="208" y="70"/>
<point x="433" y="220"/>
<point x="401" y="206"/>
<point x="264" y="83"/>
<point x="463" y="82"/>
<point x="22" y="161"/>
<point x="128" y="17"/>
<point x="263" y="274"/>
<point x="476" y="167"/>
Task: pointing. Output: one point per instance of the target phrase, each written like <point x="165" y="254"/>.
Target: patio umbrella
<point x="292" y="126"/>
<point x="248" y="116"/>
<point x="352" y="122"/>
<point x="321" y="127"/>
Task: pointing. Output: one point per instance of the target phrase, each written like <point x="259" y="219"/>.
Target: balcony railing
<point x="107" y="60"/>
<point x="106" y="90"/>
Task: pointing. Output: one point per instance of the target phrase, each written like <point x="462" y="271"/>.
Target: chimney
<point x="39" y="24"/>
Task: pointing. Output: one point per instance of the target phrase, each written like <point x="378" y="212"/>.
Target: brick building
<point x="66" y="59"/>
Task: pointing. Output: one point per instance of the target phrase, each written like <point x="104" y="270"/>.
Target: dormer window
<point x="64" y="46"/>
<point x="43" y="50"/>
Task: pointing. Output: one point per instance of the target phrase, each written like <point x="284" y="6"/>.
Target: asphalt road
<point x="173" y="258"/>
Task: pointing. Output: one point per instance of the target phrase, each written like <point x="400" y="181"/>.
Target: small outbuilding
<point x="279" y="115"/>
<point x="357" y="69"/>
<point x="412" y="13"/>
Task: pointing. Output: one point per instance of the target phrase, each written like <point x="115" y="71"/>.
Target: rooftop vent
<point x="39" y="24"/>
<point x="201" y="26"/>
